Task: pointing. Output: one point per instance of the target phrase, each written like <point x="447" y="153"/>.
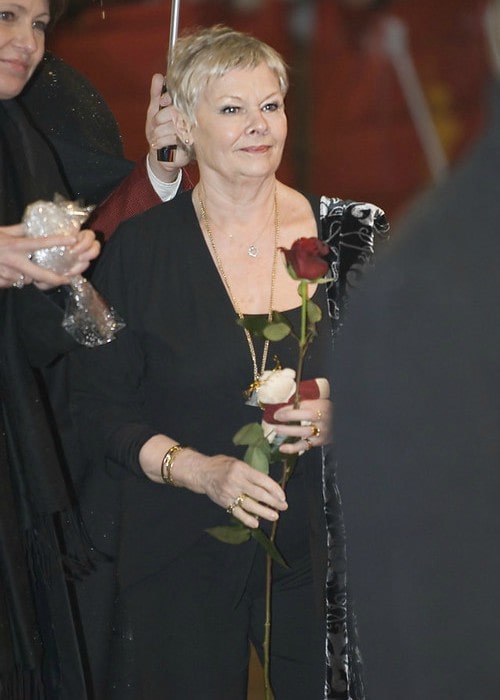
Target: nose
<point x="257" y="122"/>
<point x="26" y="37"/>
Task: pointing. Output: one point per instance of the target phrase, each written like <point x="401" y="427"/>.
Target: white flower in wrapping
<point x="269" y="432"/>
<point x="276" y="386"/>
<point x="318" y="388"/>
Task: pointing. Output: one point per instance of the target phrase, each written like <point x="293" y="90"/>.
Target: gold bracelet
<point x="168" y="462"/>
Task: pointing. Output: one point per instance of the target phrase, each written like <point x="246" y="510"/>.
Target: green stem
<point x="267" y="623"/>
<point x="288" y="465"/>
<point x="303" y="311"/>
<point x="303" y="339"/>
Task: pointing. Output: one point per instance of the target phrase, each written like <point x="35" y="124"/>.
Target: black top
<point x="179" y="367"/>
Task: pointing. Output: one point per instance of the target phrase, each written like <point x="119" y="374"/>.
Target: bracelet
<point x="168" y="462"/>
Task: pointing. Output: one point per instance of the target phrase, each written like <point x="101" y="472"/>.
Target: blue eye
<point x="271" y="107"/>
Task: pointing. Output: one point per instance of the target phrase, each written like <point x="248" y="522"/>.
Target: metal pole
<point x="396" y="45"/>
<point x="167" y="153"/>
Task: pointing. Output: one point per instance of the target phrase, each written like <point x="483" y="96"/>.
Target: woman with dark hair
<point x="39" y="655"/>
<point x="56" y="136"/>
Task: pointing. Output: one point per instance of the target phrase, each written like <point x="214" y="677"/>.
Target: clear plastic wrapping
<point x="87" y="317"/>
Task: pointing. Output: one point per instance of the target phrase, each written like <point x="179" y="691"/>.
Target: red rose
<point x="306" y="259"/>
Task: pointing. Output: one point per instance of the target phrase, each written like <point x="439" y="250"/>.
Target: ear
<point x="182" y="127"/>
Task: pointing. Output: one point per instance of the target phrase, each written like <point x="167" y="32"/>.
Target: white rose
<point x="269" y="432"/>
<point x="276" y="386"/>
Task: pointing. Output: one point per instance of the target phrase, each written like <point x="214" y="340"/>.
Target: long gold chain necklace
<point x="257" y="372"/>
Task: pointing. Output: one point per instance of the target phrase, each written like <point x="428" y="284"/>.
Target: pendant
<point x="251" y="399"/>
<point x="253" y="251"/>
<point x="250" y="394"/>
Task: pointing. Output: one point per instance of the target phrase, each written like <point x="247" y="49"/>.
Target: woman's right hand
<point x="234" y="485"/>
<point x="227" y="481"/>
<point x="16" y="269"/>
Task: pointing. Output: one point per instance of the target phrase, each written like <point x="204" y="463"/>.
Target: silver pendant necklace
<point x="252" y="250"/>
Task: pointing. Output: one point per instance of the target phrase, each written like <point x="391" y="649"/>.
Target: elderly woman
<point x="159" y="407"/>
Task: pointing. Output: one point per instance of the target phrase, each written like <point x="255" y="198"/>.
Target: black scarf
<point x="45" y="148"/>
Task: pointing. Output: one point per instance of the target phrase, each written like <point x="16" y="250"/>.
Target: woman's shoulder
<point x="353" y="216"/>
<point x="170" y="219"/>
<point x="145" y="246"/>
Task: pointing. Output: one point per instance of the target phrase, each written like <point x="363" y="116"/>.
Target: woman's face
<point x="22" y="42"/>
<point x="241" y="124"/>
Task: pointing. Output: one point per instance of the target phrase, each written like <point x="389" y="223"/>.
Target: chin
<point x="9" y="89"/>
<point x="260" y="170"/>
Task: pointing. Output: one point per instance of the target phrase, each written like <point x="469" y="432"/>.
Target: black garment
<point x="188" y="612"/>
<point x="39" y="648"/>
<point x="39" y="657"/>
<point x="179" y="368"/>
<point x="417" y="417"/>
<point x="79" y="128"/>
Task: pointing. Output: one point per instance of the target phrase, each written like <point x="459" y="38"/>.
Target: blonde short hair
<point x="211" y="53"/>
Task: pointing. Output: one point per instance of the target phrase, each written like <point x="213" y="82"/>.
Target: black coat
<point x="58" y="137"/>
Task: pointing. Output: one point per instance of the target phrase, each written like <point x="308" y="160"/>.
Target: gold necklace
<point x="250" y="392"/>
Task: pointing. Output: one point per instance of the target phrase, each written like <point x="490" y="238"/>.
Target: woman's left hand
<point x="160" y="132"/>
<point x="317" y="418"/>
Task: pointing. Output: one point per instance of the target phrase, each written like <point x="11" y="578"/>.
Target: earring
<point x="186" y="141"/>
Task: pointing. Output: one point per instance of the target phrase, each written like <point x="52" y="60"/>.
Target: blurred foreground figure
<point x="419" y="443"/>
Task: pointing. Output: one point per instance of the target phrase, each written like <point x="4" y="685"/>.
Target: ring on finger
<point x="237" y="502"/>
<point x="308" y="443"/>
<point x="315" y="431"/>
<point x="19" y="283"/>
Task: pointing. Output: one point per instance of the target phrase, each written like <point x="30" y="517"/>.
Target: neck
<point x="227" y="253"/>
<point x="246" y="222"/>
<point x="238" y="201"/>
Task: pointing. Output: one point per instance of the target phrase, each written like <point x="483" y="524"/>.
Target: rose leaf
<point x="254" y="324"/>
<point x="268" y="546"/>
<point x="230" y="534"/>
<point x="313" y="312"/>
<point x="249" y="434"/>
<point x="257" y="459"/>
<point x="276" y="331"/>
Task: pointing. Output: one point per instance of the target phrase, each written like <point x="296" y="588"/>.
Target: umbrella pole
<point x="167" y="153"/>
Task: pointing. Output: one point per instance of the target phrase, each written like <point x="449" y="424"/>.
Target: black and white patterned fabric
<point x="350" y="229"/>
